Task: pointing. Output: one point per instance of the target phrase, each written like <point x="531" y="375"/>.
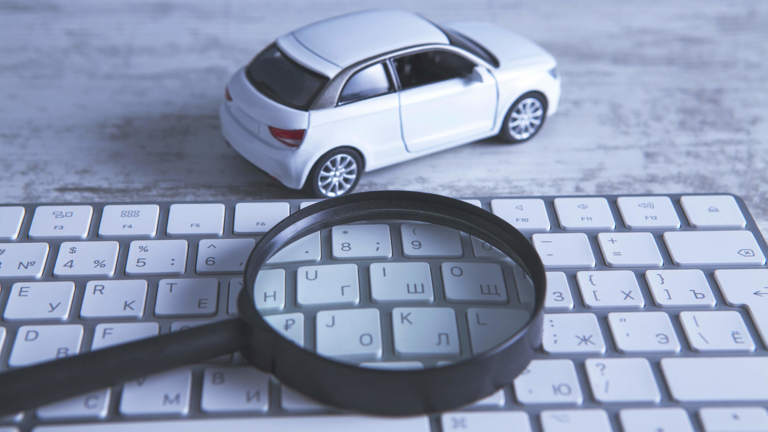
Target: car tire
<point x="524" y="119"/>
<point x="336" y="173"/>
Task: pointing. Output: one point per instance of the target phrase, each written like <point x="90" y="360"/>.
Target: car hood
<point x="510" y="48"/>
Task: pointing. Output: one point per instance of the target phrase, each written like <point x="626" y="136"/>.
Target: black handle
<point x="32" y="386"/>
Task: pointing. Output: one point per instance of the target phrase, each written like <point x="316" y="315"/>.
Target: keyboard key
<point x="750" y="288"/>
<point x="716" y="331"/>
<point x="94" y="405"/>
<point x="474" y="282"/>
<point x="675" y="288"/>
<point x="129" y="220"/>
<point x="717" y="379"/>
<point x="353" y="334"/>
<point x="401" y="282"/>
<point x="558" y="293"/>
<point x="639" y="332"/>
<point x="235" y="285"/>
<point x="157" y="257"/>
<point x="548" y="382"/>
<point x="584" y="213"/>
<point x="489" y="327"/>
<point x="425" y="331"/>
<point x="490" y="421"/>
<point x="430" y="240"/>
<point x="327" y="284"/>
<point x="293" y="401"/>
<point x="223" y="255"/>
<point x="648" y="212"/>
<point x="61" y="222"/>
<point x="523" y="214"/>
<point x="40" y="343"/>
<point x="564" y="250"/>
<point x="186" y="297"/>
<point x="655" y="420"/>
<point x="251" y="218"/>
<point x="713" y="247"/>
<point x="195" y="219"/>
<point x="290" y="325"/>
<point x="592" y="420"/>
<point x="361" y="241"/>
<point x="734" y="419"/>
<point x="622" y="380"/>
<point x="629" y="250"/>
<point x="235" y="389"/>
<point x="39" y="300"/>
<point x="712" y="211"/>
<point x="393" y="365"/>
<point x="2" y="338"/>
<point x="304" y="249"/>
<point x="610" y="289"/>
<point x="166" y="393"/>
<point x="114" y="299"/>
<point x="495" y="400"/>
<point x="11" y="218"/>
<point x="22" y="260"/>
<point x="483" y="249"/>
<point x="268" y="292"/>
<point x="109" y="334"/>
<point x="572" y="333"/>
<point x="95" y="258"/>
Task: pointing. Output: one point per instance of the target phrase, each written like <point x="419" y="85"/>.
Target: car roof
<point x="339" y="42"/>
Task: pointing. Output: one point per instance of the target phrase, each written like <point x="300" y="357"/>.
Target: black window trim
<point x="393" y="83"/>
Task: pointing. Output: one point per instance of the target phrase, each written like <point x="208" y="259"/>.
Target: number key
<point x="361" y="241"/>
<point x="430" y="240"/>
<point x="157" y="257"/>
<point x="97" y="258"/>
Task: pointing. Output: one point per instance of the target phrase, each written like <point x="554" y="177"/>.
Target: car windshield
<point x="283" y="80"/>
<point x="459" y="40"/>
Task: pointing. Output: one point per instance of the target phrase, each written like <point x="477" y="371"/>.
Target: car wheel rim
<point x="526" y="118"/>
<point x="337" y="175"/>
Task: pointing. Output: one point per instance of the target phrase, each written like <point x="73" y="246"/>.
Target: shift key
<point x="713" y="247"/>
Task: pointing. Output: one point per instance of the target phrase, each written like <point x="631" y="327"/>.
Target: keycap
<point x="327" y="284"/>
<point x="235" y="389"/>
<point x="747" y="287"/>
<point x="236" y="284"/>
<point x="648" y="212"/>
<point x="495" y="400"/>
<point x="425" y="331"/>
<point x="734" y="419"/>
<point x="39" y="300"/>
<point x="712" y="211"/>
<point x="352" y="334"/>
<point x="401" y="282"/>
<point x="610" y="289"/>
<point x="393" y="365"/>
<point x="114" y="298"/>
<point x="523" y="214"/>
<point x="165" y="393"/>
<point x="483" y="249"/>
<point x="572" y="333"/>
<point x="39" y="343"/>
<point x="11" y="218"/>
<point x="22" y="260"/>
<point x="109" y="334"/>
<point x="584" y="213"/>
<point x="94" y="258"/>
<point x="293" y="401"/>
<point x="186" y="297"/>
<point x="655" y="420"/>
<point x="156" y="257"/>
<point x="268" y="292"/>
<point x="622" y="380"/>
<point x="713" y="247"/>
<point x="290" y="325"/>
<point x="304" y="249"/>
<point x="717" y="379"/>
<point x="685" y="287"/>
<point x="129" y="220"/>
<point x="93" y="405"/>
<point x="640" y="332"/>
<point x="592" y="420"/>
<point x="632" y="249"/>
<point x="2" y="338"/>
<point x="195" y="219"/>
<point x="61" y="222"/>
<point x="716" y="331"/>
<point x="564" y="250"/>
<point x="474" y="282"/>
<point x="491" y="421"/>
<point x="361" y="241"/>
<point x="223" y="255"/>
<point x="558" y="293"/>
<point x="548" y="382"/>
<point x="259" y="217"/>
<point x="430" y="240"/>
<point x="489" y="327"/>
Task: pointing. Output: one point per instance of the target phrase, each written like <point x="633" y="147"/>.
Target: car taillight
<point x="227" y="96"/>
<point x="289" y="137"/>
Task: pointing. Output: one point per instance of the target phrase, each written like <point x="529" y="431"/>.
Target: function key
<point x="712" y="211"/>
<point x="61" y="221"/>
<point x="259" y="217"/>
<point x="185" y="219"/>
<point x="129" y="220"/>
<point x="648" y="212"/>
<point x="584" y="213"/>
<point x="523" y="214"/>
<point x="10" y="222"/>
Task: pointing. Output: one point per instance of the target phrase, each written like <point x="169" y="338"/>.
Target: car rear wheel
<point x="336" y="173"/>
<point x="524" y="118"/>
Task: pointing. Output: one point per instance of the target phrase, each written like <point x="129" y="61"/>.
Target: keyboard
<point x="656" y="316"/>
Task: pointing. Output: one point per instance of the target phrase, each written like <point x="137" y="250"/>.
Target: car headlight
<point x="553" y="72"/>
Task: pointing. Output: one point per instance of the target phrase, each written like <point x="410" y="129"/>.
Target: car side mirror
<point x="476" y="75"/>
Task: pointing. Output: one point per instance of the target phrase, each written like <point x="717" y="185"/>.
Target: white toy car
<point x="370" y="89"/>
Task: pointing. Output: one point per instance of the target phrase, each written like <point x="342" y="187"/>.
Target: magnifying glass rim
<point x="391" y="205"/>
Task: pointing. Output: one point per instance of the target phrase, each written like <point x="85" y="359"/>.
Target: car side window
<point x="366" y="83"/>
<point x="430" y="67"/>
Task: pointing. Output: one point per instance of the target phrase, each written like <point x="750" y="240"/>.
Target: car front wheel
<point x="524" y="118"/>
<point x="336" y="173"/>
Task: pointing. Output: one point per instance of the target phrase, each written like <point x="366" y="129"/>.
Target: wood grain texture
<point x="117" y="101"/>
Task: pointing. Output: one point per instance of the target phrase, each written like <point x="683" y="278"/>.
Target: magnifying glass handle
<point x="31" y="387"/>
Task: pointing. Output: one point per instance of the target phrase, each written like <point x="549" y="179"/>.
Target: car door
<point x="444" y="98"/>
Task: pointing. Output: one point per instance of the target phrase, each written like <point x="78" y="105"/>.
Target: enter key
<point x="747" y="287"/>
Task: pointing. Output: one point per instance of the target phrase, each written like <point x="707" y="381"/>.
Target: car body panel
<point x="299" y="53"/>
<point x="511" y="49"/>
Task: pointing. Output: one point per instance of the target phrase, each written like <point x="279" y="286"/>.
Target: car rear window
<point x="283" y="80"/>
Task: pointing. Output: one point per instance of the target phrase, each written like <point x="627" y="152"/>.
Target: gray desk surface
<point x="117" y="101"/>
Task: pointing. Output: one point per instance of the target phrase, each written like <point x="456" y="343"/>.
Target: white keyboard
<point x="656" y="314"/>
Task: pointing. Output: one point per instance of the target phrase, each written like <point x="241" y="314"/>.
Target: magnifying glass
<point x="387" y="303"/>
